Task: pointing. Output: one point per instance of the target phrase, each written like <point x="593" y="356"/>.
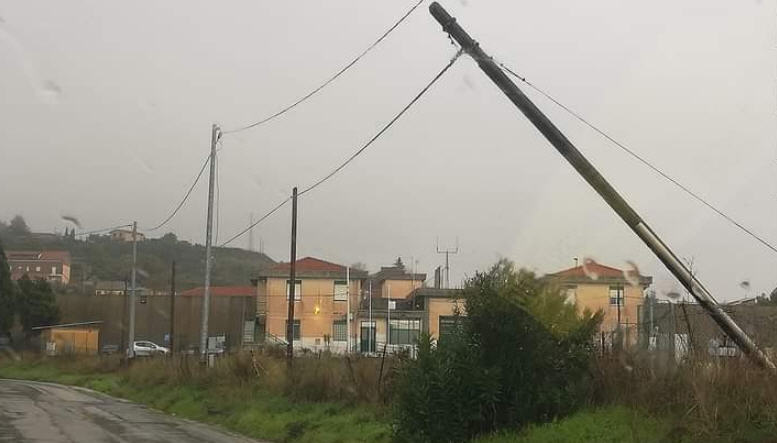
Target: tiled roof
<point x="396" y="273"/>
<point x="221" y="291"/>
<point x="590" y="270"/>
<point x="310" y="264"/>
<point x="310" y="267"/>
<point x="63" y="256"/>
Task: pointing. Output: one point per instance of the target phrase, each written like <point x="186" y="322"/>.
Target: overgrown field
<point x="333" y="399"/>
<point x="326" y="401"/>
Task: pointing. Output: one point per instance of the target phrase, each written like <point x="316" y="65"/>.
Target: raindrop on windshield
<point x="631" y="274"/>
<point x="588" y="268"/>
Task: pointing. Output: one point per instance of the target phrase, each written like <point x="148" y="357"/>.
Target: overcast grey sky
<point x="106" y="110"/>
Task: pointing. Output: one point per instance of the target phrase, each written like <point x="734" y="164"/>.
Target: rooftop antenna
<point x="447" y="253"/>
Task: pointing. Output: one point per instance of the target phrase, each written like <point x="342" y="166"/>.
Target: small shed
<point x="70" y="338"/>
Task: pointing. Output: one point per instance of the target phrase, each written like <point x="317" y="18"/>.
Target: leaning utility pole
<point x="293" y="280"/>
<point x="214" y="138"/>
<point x="447" y="253"/>
<point x="172" y="310"/>
<point x="599" y="183"/>
<point x="131" y="339"/>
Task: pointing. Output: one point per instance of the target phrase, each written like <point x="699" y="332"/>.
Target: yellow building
<point x="71" y="338"/>
<point x="617" y="293"/>
<point x="320" y="303"/>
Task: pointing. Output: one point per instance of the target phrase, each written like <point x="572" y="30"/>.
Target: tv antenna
<point x="447" y="253"/>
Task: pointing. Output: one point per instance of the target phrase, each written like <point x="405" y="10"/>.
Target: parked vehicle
<point x="148" y="349"/>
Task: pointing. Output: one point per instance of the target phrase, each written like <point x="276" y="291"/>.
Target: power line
<point x="641" y="159"/>
<point x="355" y="154"/>
<point x="185" y="197"/>
<point x="386" y="127"/>
<point x="331" y="79"/>
<point x="261" y="219"/>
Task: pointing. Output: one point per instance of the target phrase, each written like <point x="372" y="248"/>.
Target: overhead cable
<point x="185" y="197"/>
<point x="355" y="154"/>
<point x="331" y="79"/>
<point x="386" y="127"/>
<point x="641" y="159"/>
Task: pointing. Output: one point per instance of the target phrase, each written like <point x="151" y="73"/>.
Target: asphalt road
<point x="47" y="412"/>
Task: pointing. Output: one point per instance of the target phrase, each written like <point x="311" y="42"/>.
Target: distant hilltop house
<point x="53" y="266"/>
<point x="619" y="294"/>
<point x="125" y="235"/>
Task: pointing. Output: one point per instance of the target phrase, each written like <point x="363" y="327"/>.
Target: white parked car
<point x="148" y="349"/>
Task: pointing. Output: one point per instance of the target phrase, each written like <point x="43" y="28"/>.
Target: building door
<point x="367" y="342"/>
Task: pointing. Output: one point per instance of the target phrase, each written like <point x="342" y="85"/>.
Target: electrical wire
<point x="641" y="159"/>
<point x="386" y="127"/>
<point x="185" y="197"/>
<point x="355" y="154"/>
<point x="331" y="79"/>
<point x="261" y="219"/>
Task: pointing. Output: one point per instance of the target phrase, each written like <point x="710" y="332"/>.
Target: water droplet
<point x="674" y="295"/>
<point x="72" y="219"/>
<point x="50" y="92"/>
<point x="145" y="165"/>
<point x="631" y="274"/>
<point x="588" y="268"/>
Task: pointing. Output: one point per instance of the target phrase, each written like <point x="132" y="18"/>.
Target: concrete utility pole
<point x="599" y="183"/>
<point x="372" y="328"/>
<point x="214" y="138"/>
<point x="447" y="253"/>
<point x="348" y="307"/>
<point x="131" y="327"/>
<point x="172" y="310"/>
<point x="293" y="280"/>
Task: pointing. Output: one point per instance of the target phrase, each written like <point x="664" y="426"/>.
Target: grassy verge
<point x="244" y="406"/>
<point x="608" y="424"/>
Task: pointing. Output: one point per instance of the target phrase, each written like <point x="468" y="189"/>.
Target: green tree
<point x="36" y="304"/>
<point x="7" y="295"/>
<point x="521" y="355"/>
<point x="18" y="226"/>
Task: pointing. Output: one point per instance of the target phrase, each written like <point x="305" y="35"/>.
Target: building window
<point x="616" y="295"/>
<point x="448" y="325"/>
<point x="53" y="270"/>
<point x="340" y="330"/>
<point x="297" y="289"/>
<point x="297" y="333"/>
<point x="341" y="290"/>
<point x="37" y="269"/>
<point x="404" y="332"/>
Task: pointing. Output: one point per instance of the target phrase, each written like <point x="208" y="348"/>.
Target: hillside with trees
<point x="100" y="258"/>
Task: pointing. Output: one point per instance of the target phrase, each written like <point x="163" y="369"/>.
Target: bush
<point x="503" y="368"/>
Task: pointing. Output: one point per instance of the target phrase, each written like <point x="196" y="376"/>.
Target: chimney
<point x="437" y="278"/>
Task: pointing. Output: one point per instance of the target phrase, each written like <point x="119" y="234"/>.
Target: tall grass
<point x="704" y="398"/>
<point x="322" y="398"/>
